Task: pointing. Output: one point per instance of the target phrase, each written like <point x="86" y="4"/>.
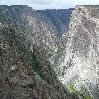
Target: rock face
<point x="26" y="74"/>
<point x="78" y="57"/>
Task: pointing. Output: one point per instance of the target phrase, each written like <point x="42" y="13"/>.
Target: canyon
<point x="43" y="52"/>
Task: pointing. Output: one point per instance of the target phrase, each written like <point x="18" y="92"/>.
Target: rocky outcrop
<point x="78" y="60"/>
<point x="26" y="74"/>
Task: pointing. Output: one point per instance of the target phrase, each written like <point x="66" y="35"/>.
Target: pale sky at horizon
<point x="50" y="4"/>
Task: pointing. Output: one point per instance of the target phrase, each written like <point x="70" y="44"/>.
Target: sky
<point x="50" y="4"/>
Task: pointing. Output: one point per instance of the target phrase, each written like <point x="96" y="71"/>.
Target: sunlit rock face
<point x="78" y="60"/>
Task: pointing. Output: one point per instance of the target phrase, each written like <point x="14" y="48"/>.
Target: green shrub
<point x="83" y="93"/>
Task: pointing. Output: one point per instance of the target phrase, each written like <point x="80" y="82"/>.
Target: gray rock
<point x="82" y="49"/>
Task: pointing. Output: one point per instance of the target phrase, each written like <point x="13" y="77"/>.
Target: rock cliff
<point x="78" y="56"/>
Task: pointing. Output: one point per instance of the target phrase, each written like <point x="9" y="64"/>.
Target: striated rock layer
<point x="78" y="58"/>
